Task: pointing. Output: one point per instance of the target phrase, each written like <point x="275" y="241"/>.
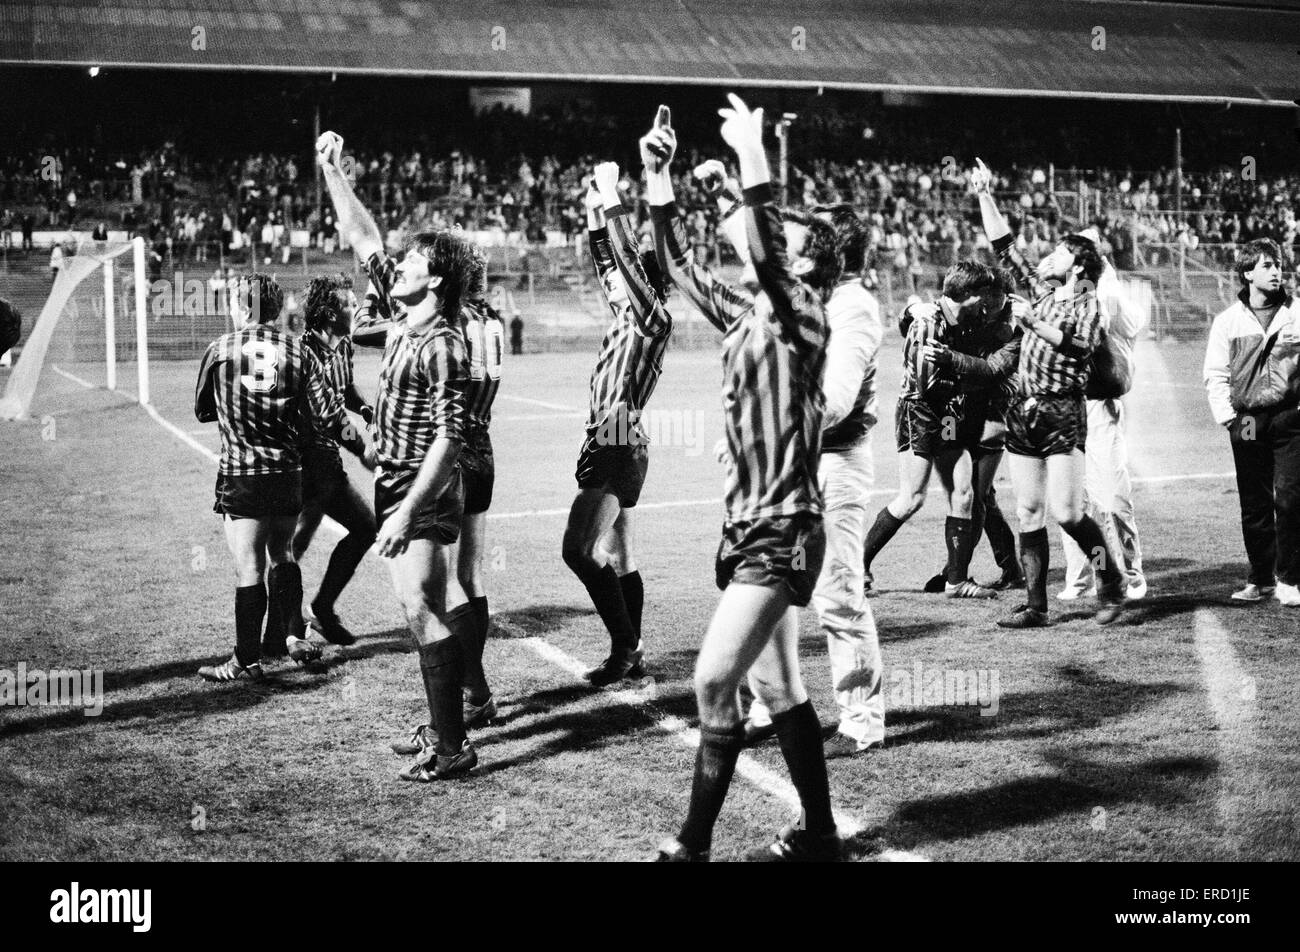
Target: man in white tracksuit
<point x="846" y="475"/>
<point x="1108" y="486"/>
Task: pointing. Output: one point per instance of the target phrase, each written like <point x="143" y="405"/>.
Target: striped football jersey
<point x="484" y="334"/>
<point x="422" y="377"/>
<point x="773" y="358"/>
<point x="1044" y="369"/>
<point x="632" y="353"/>
<point x="263" y="387"/>
<point x="336" y="373"/>
<point x="924" y="324"/>
<point x="722" y="304"/>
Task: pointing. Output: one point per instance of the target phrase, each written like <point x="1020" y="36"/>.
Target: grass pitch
<point x="1171" y="736"/>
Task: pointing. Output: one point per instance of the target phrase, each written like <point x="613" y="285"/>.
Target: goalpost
<point x="71" y="341"/>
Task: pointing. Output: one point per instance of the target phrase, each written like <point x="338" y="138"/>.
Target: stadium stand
<point x="1153" y="50"/>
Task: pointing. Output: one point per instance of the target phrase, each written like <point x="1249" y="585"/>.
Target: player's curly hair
<point x="325" y="307"/>
<point x="968" y="278"/>
<point x="820" y="247"/>
<point x="1252" y="252"/>
<point x="262" y="296"/>
<point x="477" y="286"/>
<point x="850" y="233"/>
<point x="451" y="257"/>
<point x="1087" y="255"/>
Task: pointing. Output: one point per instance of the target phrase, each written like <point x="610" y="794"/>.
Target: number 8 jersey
<point x="263" y="388"/>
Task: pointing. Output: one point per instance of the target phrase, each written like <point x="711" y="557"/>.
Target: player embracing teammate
<point x="1047" y="423"/>
<point x="420" y="429"/>
<point x="772" y="543"/>
<point x="264" y="388"/>
<point x="935" y="429"/>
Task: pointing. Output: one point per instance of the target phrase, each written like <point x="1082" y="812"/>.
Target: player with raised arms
<point x="1047" y="424"/>
<point x="262" y="387"/>
<point x="419" y="428"/>
<point x="614" y="459"/>
<point x="772" y="543"/>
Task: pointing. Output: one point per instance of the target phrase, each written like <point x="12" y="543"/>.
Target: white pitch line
<point x="180" y="434"/>
<point x="536" y="403"/>
<point x="1183" y="476"/>
<point x="73" y="377"/>
<point x="1232" y="701"/>
<point x="767" y="781"/>
<point x="773" y="784"/>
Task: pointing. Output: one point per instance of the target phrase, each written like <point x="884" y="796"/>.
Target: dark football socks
<point x="633" y="598"/>
<point x="878" y="536"/>
<point x="1090" y="539"/>
<point x="607" y="596"/>
<point x="285" y="584"/>
<point x="959" y="537"/>
<point x="1034" y="554"/>
<point x="464" y="625"/>
<point x="345" y="558"/>
<point x="1001" y="539"/>
<point x="482" y="619"/>
<point x="250" y="608"/>
<point x="800" y="735"/>
<point x="715" y="763"/>
<point x="441" y="666"/>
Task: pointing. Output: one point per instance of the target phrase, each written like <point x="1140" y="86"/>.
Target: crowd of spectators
<point x="526" y="180"/>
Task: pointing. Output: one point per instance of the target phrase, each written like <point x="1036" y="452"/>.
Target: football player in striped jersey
<point x="326" y="490"/>
<point x="929" y="421"/>
<point x="772" y="543"/>
<point x="262" y="387"/>
<point x="419" y="430"/>
<point x="613" y="461"/>
<point x="845" y="470"/>
<point x="1047" y="420"/>
<point x="484" y="335"/>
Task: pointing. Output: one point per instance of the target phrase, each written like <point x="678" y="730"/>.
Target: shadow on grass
<point x="1086" y="700"/>
<point x="1080" y="787"/>
<point x="208" y="699"/>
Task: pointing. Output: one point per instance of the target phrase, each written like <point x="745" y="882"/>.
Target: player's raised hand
<point x="742" y="127"/>
<point x="592" y="200"/>
<point x="712" y="176"/>
<point x="981" y="179"/>
<point x="659" y="144"/>
<point x="329" y="150"/>
<point x="606" y="177"/>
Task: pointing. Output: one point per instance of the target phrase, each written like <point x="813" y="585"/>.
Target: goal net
<point x="92" y="331"/>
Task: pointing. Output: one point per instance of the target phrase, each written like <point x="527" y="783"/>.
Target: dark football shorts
<point x="618" y="468"/>
<point x="265" y="496"/>
<point x="924" y="431"/>
<point x="438" y="521"/>
<point x="782" y="552"/>
<point x="1045" y="426"/>
<point x="974" y="434"/>
<point x="322" y="477"/>
<point x="478" y="470"/>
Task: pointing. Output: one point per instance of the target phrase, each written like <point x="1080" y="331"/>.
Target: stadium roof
<point x="1167" y="51"/>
